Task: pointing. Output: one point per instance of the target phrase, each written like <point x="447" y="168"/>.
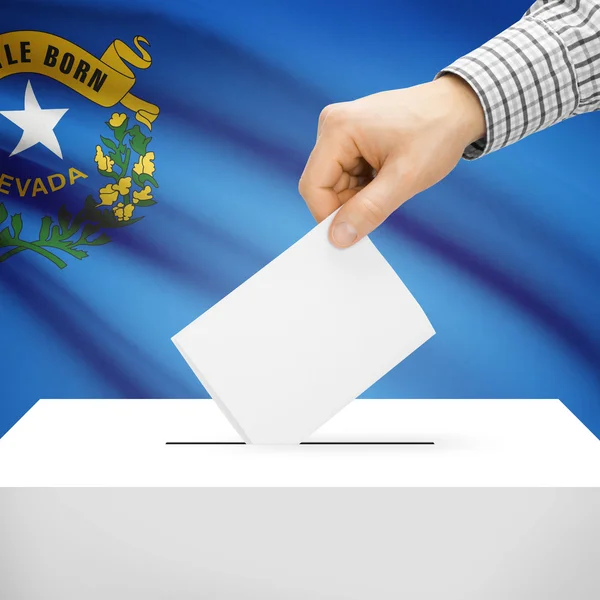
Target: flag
<point x="149" y="159"/>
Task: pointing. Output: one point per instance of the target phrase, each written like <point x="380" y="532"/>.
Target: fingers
<point x="325" y="113"/>
<point x="369" y="208"/>
<point x="320" y="175"/>
<point x="334" y="155"/>
<point x="336" y="174"/>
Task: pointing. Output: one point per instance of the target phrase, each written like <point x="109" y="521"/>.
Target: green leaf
<point x="64" y="220"/>
<point x="90" y="203"/>
<point x="139" y="142"/>
<point x="90" y="229"/>
<point x="17" y="225"/>
<point x="55" y="235"/>
<point x="45" y="228"/>
<point x="5" y="238"/>
<point x="110" y="174"/>
<point x="145" y="178"/>
<point x="79" y="218"/>
<point x="145" y="203"/>
<point x="109" y="143"/>
<point x="119" y="132"/>
<point x="3" y="213"/>
<point x="78" y="254"/>
<point x="136" y="179"/>
<point x="127" y="223"/>
<point x="109" y="221"/>
<point x="99" y="241"/>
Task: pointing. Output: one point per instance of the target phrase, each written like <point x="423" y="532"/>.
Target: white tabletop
<point x="475" y="443"/>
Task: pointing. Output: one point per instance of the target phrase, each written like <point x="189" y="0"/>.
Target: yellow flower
<point x="145" y="164"/>
<point x="123" y="186"/>
<point x="118" y="210"/>
<point x="117" y="119"/>
<point x="108" y="195"/>
<point x="105" y="163"/>
<point x="145" y="194"/>
<point x="123" y="212"/>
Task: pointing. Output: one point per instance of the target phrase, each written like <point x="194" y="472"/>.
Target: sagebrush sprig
<point x="66" y="235"/>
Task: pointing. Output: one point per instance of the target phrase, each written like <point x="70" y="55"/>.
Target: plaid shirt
<point x="542" y="70"/>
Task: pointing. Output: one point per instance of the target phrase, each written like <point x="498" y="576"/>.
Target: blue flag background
<point x="504" y="255"/>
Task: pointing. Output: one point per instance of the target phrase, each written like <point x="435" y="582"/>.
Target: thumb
<point x="369" y="208"/>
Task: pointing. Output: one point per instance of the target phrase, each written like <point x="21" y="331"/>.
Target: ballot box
<point x="416" y="499"/>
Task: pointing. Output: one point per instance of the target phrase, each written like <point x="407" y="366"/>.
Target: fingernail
<point x="344" y="234"/>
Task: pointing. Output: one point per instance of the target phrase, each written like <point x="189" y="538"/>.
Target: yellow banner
<point x="107" y="80"/>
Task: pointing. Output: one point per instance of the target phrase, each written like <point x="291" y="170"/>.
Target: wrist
<point x="466" y="111"/>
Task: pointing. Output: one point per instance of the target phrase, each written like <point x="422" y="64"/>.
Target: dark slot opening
<point x="307" y="443"/>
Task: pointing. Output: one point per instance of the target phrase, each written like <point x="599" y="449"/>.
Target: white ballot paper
<point x="298" y="341"/>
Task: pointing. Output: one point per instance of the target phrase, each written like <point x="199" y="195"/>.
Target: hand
<point x="410" y="138"/>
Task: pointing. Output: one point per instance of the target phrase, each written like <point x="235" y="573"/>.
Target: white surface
<point x="302" y="338"/>
<point x="299" y="543"/>
<point x="477" y="443"/>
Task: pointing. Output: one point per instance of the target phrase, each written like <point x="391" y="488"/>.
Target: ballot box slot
<point x="366" y="443"/>
<point x="324" y="443"/>
<point x="205" y="443"/>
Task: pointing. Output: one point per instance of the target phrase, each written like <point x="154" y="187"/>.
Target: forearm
<point x="542" y="70"/>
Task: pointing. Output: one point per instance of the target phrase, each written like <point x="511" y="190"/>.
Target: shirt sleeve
<point x="542" y="70"/>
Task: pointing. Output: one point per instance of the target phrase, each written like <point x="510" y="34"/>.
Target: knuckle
<point x="325" y="112"/>
<point x="372" y="212"/>
<point x="334" y="114"/>
<point x="303" y="186"/>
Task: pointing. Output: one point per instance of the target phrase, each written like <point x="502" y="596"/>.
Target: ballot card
<point x="286" y="350"/>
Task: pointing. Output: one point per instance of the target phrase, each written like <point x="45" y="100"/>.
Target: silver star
<point x="37" y="124"/>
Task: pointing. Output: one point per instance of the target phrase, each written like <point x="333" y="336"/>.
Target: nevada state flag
<point x="150" y="153"/>
<point x="145" y="157"/>
<point x="128" y="146"/>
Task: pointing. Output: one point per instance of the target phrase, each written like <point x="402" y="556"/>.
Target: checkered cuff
<point x="540" y="71"/>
